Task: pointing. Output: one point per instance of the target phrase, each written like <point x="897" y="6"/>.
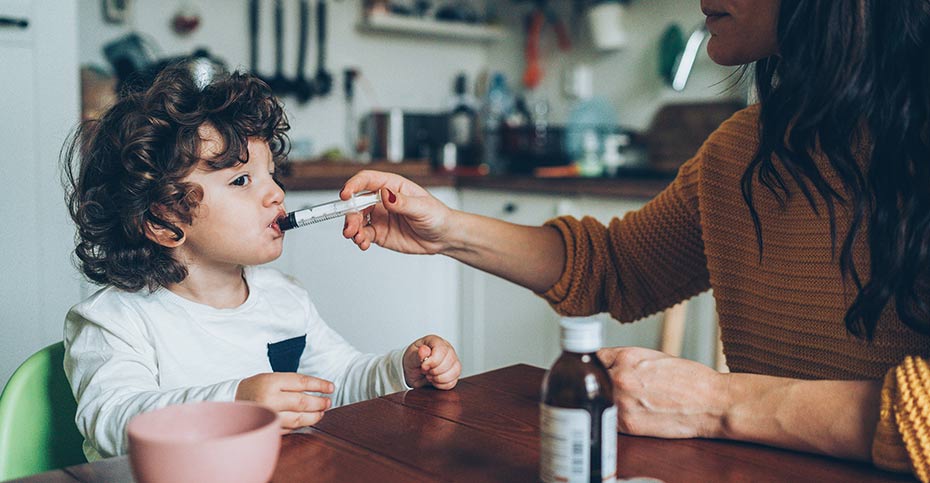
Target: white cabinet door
<point x="700" y="337"/>
<point x="378" y="300"/>
<point x="38" y="107"/>
<point x="642" y="333"/>
<point x="503" y="323"/>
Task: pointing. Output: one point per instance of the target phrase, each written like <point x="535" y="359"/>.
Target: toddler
<point x="175" y="197"/>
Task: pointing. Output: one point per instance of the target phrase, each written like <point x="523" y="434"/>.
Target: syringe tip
<point x="287" y="222"/>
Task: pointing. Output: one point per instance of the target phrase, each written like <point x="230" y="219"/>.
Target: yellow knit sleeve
<point x="902" y="438"/>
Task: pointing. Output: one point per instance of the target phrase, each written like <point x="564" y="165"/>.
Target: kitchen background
<point x="377" y="300"/>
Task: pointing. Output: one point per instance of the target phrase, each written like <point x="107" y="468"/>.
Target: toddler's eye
<point x="242" y="180"/>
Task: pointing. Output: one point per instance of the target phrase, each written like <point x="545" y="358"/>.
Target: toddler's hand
<point x="284" y="392"/>
<point x="431" y="360"/>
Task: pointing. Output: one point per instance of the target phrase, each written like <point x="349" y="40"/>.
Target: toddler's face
<point x="235" y="223"/>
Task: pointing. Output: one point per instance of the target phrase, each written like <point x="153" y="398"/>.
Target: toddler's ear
<point x="163" y="231"/>
<point x="163" y="236"/>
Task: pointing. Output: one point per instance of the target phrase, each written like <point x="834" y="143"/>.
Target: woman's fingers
<point x="369" y="180"/>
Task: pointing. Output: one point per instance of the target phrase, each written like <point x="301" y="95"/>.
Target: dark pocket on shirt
<point x="285" y="355"/>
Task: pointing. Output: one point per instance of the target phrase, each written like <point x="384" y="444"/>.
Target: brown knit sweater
<point x="782" y="316"/>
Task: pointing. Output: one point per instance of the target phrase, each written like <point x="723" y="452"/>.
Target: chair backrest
<point x="37" y="429"/>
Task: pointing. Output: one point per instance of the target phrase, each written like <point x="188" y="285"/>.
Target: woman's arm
<point x="530" y="256"/>
<point x="836" y="418"/>
<point x="411" y="220"/>
<point x="663" y="396"/>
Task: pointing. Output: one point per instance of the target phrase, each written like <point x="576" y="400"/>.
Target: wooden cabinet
<point x="378" y="300"/>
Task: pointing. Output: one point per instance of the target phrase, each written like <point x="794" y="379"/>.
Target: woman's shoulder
<point x="734" y="143"/>
<point x="739" y="131"/>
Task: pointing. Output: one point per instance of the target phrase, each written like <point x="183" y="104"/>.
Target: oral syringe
<point x="328" y="210"/>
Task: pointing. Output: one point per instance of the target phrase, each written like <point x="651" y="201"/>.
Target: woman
<point x="809" y="216"/>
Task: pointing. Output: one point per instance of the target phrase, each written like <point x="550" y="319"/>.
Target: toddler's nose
<point x="275" y="195"/>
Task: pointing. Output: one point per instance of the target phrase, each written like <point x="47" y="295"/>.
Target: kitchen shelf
<point x="388" y="23"/>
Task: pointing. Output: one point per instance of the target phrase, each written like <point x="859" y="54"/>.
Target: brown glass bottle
<point x="578" y="416"/>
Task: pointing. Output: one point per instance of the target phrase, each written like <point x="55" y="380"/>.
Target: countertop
<point x="636" y="184"/>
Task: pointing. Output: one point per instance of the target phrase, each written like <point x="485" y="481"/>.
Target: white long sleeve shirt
<point x="131" y="352"/>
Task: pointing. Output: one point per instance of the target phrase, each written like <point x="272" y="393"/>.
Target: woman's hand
<point x="408" y="220"/>
<point x="285" y="392"/>
<point x="664" y="396"/>
<point x="431" y="360"/>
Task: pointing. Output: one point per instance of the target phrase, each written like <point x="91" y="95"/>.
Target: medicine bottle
<point x="578" y="419"/>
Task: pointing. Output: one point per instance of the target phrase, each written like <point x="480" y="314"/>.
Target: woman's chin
<point x="722" y="55"/>
<point x="731" y="54"/>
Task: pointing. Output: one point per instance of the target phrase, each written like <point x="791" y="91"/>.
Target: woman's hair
<point x="125" y="171"/>
<point x="854" y="74"/>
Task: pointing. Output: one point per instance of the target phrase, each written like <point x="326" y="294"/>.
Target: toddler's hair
<point x="124" y="171"/>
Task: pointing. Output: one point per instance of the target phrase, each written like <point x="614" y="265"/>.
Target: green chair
<point x="37" y="430"/>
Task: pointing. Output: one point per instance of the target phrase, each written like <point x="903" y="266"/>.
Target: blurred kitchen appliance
<point x="397" y="135"/>
<point x="607" y="26"/>
<point x="677" y="131"/>
<point x="525" y="148"/>
<point x="136" y="68"/>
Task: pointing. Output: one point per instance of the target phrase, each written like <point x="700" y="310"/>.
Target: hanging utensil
<point x="280" y="84"/>
<point x="323" y="82"/>
<point x="253" y="36"/>
<point x="532" y="73"/>
<point x="304" y="89"/>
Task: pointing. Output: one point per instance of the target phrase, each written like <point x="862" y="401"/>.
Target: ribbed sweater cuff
<point x="567" y="227"/>
<point x="901" y="440"/>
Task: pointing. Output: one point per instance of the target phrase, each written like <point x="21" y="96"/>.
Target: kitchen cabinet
<point x="378" y="299"/>
<point x="39" y="102"/>
<point x="504" y="324"/>
<point x="700" y="335"/>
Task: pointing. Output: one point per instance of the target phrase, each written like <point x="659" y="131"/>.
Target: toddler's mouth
<point x="276" y="223"/>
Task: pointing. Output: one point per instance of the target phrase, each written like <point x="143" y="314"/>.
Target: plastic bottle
<point x="578" y="418"/>
<point x="497" y="105"/>
<point x="590" y="165"/>
<point x="589" y="113"/>
<point x="615" y="152"/>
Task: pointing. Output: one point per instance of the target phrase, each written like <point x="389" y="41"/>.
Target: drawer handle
<point x="14" y="22"/>
<point x="510" y="208"/>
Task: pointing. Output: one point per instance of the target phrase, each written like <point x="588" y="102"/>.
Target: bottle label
<point x="565" y="450"/>
<point x="565" y="453"/>
<point x="609" y="445"/>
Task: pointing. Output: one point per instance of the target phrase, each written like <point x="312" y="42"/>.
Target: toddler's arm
<point x="432" y="360"/>
<point x="286" y="393"/>
<point x="113" y="377"/>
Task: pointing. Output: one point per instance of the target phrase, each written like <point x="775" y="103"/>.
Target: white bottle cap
<point x="581" y="335"/>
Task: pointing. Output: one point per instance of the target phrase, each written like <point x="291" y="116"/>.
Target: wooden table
<point x="487" y="429"/>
